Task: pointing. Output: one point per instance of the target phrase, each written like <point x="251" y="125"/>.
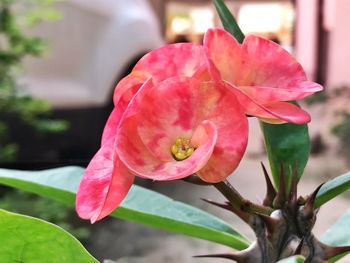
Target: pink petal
<point x="232" y="127"/>
<point x="166" y="112"/>
<point x="105" y="184"/>
<point x="288" y="112"/>
<point x="269" y="65"/>
<point x="261" y="68"/>
<point x="226" y="156"/>
<point x="163" y="115"/>
<point x="174" y="108"/>
<point x="182" y="59"/>
<point x="224" y="55"/>
<point x="127" y="87"/>
<point x="111" y="126"/>
<point x="274" y="111"/>
<point x="269" y="94"/>
<point x="142" y="162"/>
<point x="123" y="93"/>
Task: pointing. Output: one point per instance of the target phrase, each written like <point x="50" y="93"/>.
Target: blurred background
<point x="59" y="64"/>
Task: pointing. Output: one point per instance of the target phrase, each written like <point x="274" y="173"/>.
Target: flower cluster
<point x="182" y="111"/>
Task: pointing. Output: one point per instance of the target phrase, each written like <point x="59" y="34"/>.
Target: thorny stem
<point x="282" y="224"/>
<point x="237" y="201"/>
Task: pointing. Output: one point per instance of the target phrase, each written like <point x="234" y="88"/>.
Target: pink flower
<point x="261" y="74"/>
<point x="182" y="110"/>
<point x="170" y="121"/>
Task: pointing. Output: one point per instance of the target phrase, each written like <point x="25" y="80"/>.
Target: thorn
<point x="310" y="202"/>
<point x="270" y="190"/>
<point x="270" y="222"/>
<point x="236" y="257"/>
<point x="280" y="198"/>
<point x="301" y="200"/>
<point x="246" y="217"/>
<point x="226" y="206"/>
<point x="299" y="247"/>
<point x="334" y="251"/>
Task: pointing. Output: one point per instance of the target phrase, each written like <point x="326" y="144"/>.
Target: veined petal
<point x="232" y="125"/>
<point x="128" y="86"/>
<point x="288" y="112"/>
<point x="224" y="55"/>
<point x="228" y="152"/>
<point x="269" y="94"/>
<point x="105" y="184"/>
<point x="181" y="59"/>
<point x="166" y="111"/>
<point x="110" y="129"/>
<point x="271" y="112"/>
<point x="263" y="69"/>
<point x="267" y="64"/>
<point x="142" y="162"/>
<point x="123" y="93"/>
<point x="174" y="108"/>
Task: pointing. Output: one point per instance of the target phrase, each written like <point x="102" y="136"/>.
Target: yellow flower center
<point x="181" y="149"/>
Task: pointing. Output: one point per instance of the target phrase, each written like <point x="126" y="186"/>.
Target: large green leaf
<point x="295" y="259"/>
<point x="141" y="205"/>
<point x="338" y="234"/>
<point x="30" y="240"/>
<point x="286" y="144"/>
<point x="332" y="189"/>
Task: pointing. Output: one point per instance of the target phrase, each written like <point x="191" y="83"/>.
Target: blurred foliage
<point x="319" y="97"/>
<point x="341" y="129"/>
<point x="15" y="44"/>
<point x="16" y="16"/>
<point x="327" y="95"/>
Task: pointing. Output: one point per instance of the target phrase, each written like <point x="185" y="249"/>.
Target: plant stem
<point x="238" y="202"/>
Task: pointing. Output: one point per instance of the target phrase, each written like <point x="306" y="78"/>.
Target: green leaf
<point x="30" y="240"/>
<point x="228" y="21"/>
<point x="294" y="259"/>
<point x="338" y="234"/>
<point x="287" y="144"/>
<point x="140" y="206"/>
<point x="332" y="189"/>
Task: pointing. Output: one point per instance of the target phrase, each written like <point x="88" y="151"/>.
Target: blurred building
<point x="322" y="40"/>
